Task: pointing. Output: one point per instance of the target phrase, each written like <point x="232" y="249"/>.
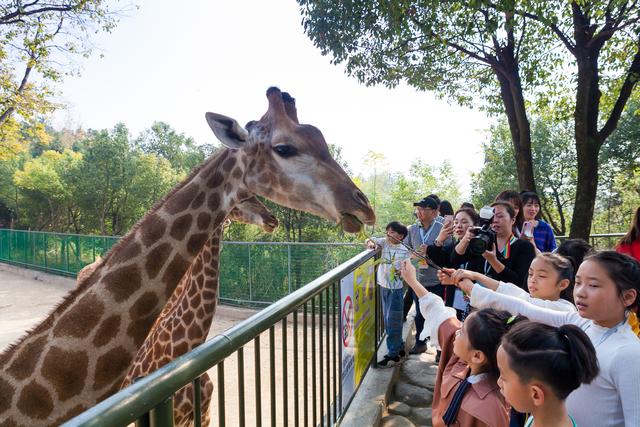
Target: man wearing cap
<point x="422" y="234"/>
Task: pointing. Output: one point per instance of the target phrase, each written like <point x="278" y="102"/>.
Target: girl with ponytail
<point x="540" y="366"/>
<point x="606" y="289"/>
<point x="466" y="393"/>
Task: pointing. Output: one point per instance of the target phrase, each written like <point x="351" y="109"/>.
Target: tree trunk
<point x="514" y="106"/>
<point x="588" y="142"/>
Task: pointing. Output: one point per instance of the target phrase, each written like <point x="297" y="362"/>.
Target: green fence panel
<point x="251" y="273"/>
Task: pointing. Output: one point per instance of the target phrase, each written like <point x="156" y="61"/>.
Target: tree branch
<point x="633" y="75"/>
<point x="553" y="27"/>
<point x="23" y="12"/>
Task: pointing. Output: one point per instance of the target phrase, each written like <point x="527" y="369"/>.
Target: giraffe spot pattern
<point x="216" y="180"/>
<point x="107" y="330"/>
<point x="181" y="200"/>
<point x="198" y="201"/>
<point x="144" y="306"/>
<point x="228" y="164"/>
<point x="180" y="227"/>
<point x="237" y="173"/>
<point x="196" y="242"/>
<point x="130" y="250"/>
<point x="204" y="219"/>
<point x="219" y="219"/>
<point x="35" y="401"/>
<point x="188" y="317"/>
<point x="214" y="201"/>
<point x="25" y="363"/>
<point x="110" y="367"/>
<point x="81" y="318"/>
<point x="194" y="332"/>
<point x="6" y="390"/>
<point x="66" y="371"/>
<point x="76" y="410"/>
<point x="123" y="282"/>
<point x="156" y="259"/>
<point x="174" y="272"/>
<point x="139" y="328"/>
<point x="152" y="229"/>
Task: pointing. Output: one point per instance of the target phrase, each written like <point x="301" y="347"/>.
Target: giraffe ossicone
<point x="81" y="352"/>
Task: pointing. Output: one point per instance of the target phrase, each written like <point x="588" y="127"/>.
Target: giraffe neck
<point x="186" y="319"/>
<point x="80" y="353"/>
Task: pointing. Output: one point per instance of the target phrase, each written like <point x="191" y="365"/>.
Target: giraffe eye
<point x="285" y="151"/>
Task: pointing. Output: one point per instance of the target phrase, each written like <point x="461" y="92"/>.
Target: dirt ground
<point x="26" y="297"/>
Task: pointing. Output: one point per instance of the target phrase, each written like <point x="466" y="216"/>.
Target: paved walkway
<point x="409" y="402"/>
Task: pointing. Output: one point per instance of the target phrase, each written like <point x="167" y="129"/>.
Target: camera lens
<point x="478" y="245"/>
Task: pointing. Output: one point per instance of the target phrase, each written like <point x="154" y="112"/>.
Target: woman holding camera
<point x="508" y="258"/>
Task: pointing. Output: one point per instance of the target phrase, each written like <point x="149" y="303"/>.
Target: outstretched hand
<point x="445" y="276"/>
<point x="407" y="270"/>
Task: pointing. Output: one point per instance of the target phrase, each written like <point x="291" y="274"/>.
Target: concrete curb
<point x="38" y="275"/>
<point x="372" y="398"/>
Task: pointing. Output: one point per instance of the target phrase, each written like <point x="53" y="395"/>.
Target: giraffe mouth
<point x="350" y="223"/>
<point x="270" y="224"/>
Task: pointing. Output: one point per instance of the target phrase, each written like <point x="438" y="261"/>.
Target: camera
<point x="484" y="235"/>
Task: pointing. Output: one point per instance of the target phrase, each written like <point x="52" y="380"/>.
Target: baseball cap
<point x="427" y="202"/>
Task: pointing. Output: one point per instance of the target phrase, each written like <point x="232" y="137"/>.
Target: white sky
<point x="175" y="60"/>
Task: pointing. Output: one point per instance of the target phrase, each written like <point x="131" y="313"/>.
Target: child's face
<point x="462" y="346"/>
<point x="393" y="237"/>
<point x="596" y="295"/>
<point x="543" y="281"/>
<point x="514" y="391"/>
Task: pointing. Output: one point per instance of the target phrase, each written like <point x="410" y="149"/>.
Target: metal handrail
<point x="133" y="402"/>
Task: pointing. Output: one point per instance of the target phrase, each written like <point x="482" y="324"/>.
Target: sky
<point x="173" y="61"/>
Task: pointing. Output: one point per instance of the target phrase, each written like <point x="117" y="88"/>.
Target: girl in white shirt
<point x="550" y="282"/>
<point x="607" y="286"/>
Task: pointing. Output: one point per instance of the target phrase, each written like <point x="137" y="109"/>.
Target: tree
<point x="48" y="200"/>
<point x="181" y="151"/>
<point x="39" y="38"/>
<point x="469" y="51"/>
<point x="465" y="51"/>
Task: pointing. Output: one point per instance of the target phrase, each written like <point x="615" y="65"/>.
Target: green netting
<point x="58" y="253"/>
<point x="250" y="273"/>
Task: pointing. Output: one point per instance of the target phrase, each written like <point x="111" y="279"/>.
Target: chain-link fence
<point x="254" y="273"/>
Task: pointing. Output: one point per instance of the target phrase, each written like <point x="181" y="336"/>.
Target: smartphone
<point x="448" y="219"/>
<point x="527" y="229"/>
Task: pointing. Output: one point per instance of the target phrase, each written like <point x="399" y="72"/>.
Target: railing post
<point x="289" y="266"/>
<point x="162" y="415"/>
<point x="46" y="249"/>
<point x="250" y="281"/>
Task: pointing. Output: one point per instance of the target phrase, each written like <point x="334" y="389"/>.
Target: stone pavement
<point x="410" y="402"/>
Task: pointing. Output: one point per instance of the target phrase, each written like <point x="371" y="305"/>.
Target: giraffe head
<point x="252" y="211"/>
<point x="290" y="163"/>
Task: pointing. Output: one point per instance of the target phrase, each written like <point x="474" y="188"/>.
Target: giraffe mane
<point x="72" y="296"/>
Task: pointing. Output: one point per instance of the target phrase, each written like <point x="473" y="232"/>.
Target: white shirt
<point x="613" y="397"/>
<point x="392" y="255"/>
<point x="517" y="292"/>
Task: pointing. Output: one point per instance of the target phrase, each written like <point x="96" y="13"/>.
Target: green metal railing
<point x="251" y="273"/>
<point x="308" y="392"/>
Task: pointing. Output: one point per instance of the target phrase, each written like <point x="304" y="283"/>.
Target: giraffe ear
<point x="227" y="130"/>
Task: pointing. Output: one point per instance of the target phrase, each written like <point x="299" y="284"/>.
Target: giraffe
<point x="186" y="319"/>
<point x="81" y="352"/>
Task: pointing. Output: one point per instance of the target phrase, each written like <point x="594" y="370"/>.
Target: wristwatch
<point x="437" y="243"/>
